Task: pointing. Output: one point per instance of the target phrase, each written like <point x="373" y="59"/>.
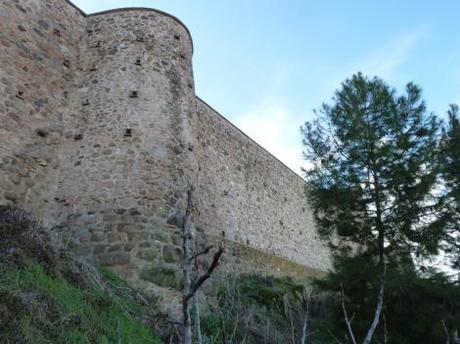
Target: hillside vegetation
<point x="49" y="296"/>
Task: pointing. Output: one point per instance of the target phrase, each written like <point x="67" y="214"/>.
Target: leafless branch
<point x="446" y="331"/>
<point x="303" y="338"/>
<point x="207" y="274"/>
<point x="378" y="310"/>
<point x="189" y="287"/>
<point x="345" y="314"/>
<point x="385" y="331"/>
<point x="204" y="252"/>
<point x="198" y="320"/>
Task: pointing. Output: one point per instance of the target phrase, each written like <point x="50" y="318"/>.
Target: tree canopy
<point x="383" y="173"/>
<point x="373" y="155"/>
<point x="450" y="162"/>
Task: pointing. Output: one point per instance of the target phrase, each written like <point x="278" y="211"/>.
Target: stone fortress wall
<point x="101" y="134"/>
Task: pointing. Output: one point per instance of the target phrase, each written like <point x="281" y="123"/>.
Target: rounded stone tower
<point x="124" y="158"/>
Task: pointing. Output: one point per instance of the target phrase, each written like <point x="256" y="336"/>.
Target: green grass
<point x="48" y="309"/>
<point x="251" y="308"/>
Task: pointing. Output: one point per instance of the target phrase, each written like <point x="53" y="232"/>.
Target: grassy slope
<point x="37" y="307"/>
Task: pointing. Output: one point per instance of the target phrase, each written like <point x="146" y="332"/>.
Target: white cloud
<point x="389" y="58"/>
<point x="274" y="128"/>
<point x="385" y="61"/>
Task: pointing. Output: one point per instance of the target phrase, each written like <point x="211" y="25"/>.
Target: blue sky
<point x="266" y="64"/>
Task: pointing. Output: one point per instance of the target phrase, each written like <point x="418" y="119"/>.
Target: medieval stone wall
<point x="101" y="134"/>
<point x="39" y="41"/>
<point x="248" y="196"/>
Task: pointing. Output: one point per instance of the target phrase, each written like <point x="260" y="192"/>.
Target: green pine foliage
<point x="374" y="179"/>
<point x="450" y="162"/>
<point x="373" y="173"/>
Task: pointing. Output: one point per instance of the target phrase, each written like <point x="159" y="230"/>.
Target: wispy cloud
<point x="274" y="128"/>
<point x="387" y="60"/>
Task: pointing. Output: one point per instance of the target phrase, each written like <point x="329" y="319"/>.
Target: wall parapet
<point x="125" y="9"/>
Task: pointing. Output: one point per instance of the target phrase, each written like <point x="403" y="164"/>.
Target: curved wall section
<point x="125" y="170"/>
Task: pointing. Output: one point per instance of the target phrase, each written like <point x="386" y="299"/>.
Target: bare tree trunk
<point x="303" y="339"/>
<point x="198" y="320"/>
<point x="446" y="331"/>
<point x="189" y="287"/>
<point x="385" y="331"/>
<point x="187" y="270"/>
<point x="378" y="310"/>
<point x="347" y="319"/>
<point x="287" y="312"/>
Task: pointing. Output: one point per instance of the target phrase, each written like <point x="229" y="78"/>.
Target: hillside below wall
<point x="248" y="196"/>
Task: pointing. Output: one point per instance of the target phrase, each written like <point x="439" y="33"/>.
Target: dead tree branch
<point x="202" y="253"/>
<point x="198" y="320"/>
<point x="215" y="263"/>
<point x="347" y="320"/>
<point x="189" y="287"/>
<point x="306" y="302"/>
<point x="446" y="331"/>
<point x="378" y="310"/>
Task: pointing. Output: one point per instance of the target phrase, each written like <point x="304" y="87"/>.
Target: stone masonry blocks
<point x="101" y="134"/>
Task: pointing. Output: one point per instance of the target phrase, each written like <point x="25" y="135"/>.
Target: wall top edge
<point x="125" y="9"/>
<point x="252" y="140"/>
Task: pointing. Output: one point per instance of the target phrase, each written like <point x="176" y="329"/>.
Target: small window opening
<point x="41" y="133"/>
<point x="78" y="137"/>
<point x="20" y="94"/>
<point x="177" y="36"/>
<point x="85" y="102"/>
<point x="66" y="63"/>
<point x="57" y="32"/>
<point x="128" y="132"/>
<point x="138" y="61"/>
<point x="133" y="94"/>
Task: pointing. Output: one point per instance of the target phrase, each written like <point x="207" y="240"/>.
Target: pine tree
<point x="373" y="174"/>
<point x="450" y="153"/>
